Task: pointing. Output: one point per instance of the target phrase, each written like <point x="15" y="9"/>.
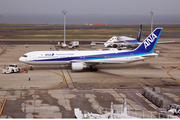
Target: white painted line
<point x="150" y="103"/>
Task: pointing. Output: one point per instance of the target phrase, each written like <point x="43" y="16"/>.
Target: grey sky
<point x="119" y="7"/>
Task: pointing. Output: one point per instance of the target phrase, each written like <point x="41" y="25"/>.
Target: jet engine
<point x="77" y="66"/>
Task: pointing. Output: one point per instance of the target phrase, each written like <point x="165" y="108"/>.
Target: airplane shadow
<point x="107" y="73"/>
<point x="95" y="72"/>
<point x="102" y="69"/>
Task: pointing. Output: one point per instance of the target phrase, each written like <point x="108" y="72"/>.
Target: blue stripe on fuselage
<point x="97" y="57"/>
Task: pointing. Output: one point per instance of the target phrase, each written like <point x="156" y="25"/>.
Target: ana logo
<point x="149" y="40"/>
<point x="49" y="54"/>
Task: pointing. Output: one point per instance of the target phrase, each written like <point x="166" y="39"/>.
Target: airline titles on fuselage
<point x="51" y="55"/>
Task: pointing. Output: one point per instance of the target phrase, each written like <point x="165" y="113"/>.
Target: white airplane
<point x="125" y="41"/>
<point x="82" y="59"/>
<point x="122" y="40"/>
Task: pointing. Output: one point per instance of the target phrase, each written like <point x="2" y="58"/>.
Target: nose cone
<point x="21" y="59"/>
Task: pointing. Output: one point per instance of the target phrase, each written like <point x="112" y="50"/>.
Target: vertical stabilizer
<point x="139" y="34"/>
<point x="150" y="42"/>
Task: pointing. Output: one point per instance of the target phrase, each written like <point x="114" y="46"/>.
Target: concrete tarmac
<point x="54" y="90"/>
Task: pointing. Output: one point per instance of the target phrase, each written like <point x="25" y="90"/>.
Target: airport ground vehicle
<point x="63" y="45"/>
<point x="6" y="71"/>
<point x="73" y="44"/>
<point x="13" y="68"/>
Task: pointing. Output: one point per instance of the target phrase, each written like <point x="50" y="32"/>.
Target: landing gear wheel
<point x="93" y="69"/>
<point x="31" y="68"/>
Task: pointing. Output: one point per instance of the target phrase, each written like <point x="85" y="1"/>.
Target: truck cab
<point x="13" y="68"/>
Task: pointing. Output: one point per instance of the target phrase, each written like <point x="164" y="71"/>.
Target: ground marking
<point x="3" y="106"/>
<point x="171" y="68"/>
<point x="44" y="90"/>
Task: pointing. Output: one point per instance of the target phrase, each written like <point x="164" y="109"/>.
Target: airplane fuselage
<point x="66" y="57"/>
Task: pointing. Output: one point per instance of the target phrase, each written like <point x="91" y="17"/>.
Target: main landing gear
<point x="93" y="69"/>
<point x="30" y="66"/>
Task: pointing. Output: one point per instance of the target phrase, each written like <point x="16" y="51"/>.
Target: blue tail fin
<point x="150" y="42"/>
<point x="139" y="34"/>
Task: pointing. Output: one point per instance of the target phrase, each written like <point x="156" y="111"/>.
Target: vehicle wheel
<point x="95" y="69"/>
<point x="91" y="68"/>
<point x="31" y="68"/>
<point x="12" y="71"/>
<point x="114" y="46"/>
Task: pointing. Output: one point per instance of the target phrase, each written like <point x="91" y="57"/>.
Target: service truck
<point x="13" y="68"/>
<point x="73" y="44"/>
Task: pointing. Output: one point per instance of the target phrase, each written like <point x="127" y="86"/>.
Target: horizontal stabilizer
<point x="166" y="42"/>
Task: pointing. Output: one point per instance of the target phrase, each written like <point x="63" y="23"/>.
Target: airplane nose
<point x="21" y="59"/>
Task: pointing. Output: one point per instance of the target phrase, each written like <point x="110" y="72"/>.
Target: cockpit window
<point x="24" y="56"/>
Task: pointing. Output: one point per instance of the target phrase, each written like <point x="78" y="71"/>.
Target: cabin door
<point x="34" y="57"/>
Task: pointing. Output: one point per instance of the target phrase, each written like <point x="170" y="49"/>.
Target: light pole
<point x="151" y="20"/>
<point x="64" y="12"/>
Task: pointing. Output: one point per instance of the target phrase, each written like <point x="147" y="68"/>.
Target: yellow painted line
<point x="171" y="75"/>
<point x="178" y="68"/>
<point x="44" y="90"/>
<point x="3" y="50"/>
<point x="3" y="106"/>
<point x="167" y="67"/>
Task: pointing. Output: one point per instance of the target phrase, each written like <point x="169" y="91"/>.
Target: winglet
<point x="150" y="42"/>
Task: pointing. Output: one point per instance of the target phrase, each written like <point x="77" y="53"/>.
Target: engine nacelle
<point x="77" y="66"/>
<point x="114" y="45"/>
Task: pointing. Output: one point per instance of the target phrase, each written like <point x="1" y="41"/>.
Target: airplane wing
<point x="127" y="43"/>
<point x="99" y="62"/>
<point x="150" y="55"/>
<point x="165" y="41"/>
<point x="97" y="42"/>
<point x="138" y="43"/>
<point x="125" y="38"/>
<point x="93" y="62"/>
<point x="94" y="43"/>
